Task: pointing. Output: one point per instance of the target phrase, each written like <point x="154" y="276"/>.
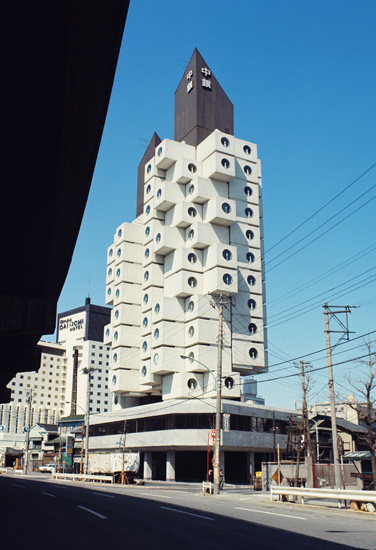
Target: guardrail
<point x="84" y="477"/>
<point x="334" y="494"/>
<point x="3" y="471"/>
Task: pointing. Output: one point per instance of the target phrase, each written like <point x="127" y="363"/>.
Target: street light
<point x="217" y="383"/>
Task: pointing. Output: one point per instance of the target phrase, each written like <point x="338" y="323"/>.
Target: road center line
<point x="153" y="495"/>
<point x="270" y="513"/>
<point x="48" y="494"/>
<point x="103" y="494"/>
<point x="187" y="513"/>
<point x="93" y="512"/>
<point x="16" y="485"/>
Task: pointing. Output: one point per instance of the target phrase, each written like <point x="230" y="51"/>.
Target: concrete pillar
<point x="148" y="459"/>
<point x="251" y="465"/>
<point x="170" y="466"/>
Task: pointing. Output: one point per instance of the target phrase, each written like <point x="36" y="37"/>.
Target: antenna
<point x="88" y="290"/>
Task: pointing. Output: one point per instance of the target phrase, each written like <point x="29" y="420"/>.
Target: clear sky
<point x="302" y="78"/>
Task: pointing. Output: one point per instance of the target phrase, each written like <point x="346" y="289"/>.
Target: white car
<point x="48" y="468"/>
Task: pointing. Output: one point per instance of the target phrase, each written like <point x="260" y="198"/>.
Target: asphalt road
<point x="38" y="513"/>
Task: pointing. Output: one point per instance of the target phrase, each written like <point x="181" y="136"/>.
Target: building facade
<point x="197" y="241"/>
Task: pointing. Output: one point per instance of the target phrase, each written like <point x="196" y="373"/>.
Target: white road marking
<point x="270" y="513"/>
<point x="187" y="513"/>
<point x="16" y="485"/>
<point x="153" y="495"/>
<point x="93" y="512"/>
<point x="103" y="494"/>
<point x="48" y="494"/>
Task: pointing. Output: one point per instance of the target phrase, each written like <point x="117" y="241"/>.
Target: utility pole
<point x="26" y="459"/>
<point x="305" y="419"/>
<point x="345" y="335"/>
<point x="221" y="301"/>
<point x="73" y="410"/>
<point x="88" y="371"/>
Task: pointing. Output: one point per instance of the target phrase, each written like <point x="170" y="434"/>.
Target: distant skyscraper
<point x="198" y="233"/>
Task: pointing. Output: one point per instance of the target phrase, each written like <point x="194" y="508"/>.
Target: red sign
<point x="212" y="433"/>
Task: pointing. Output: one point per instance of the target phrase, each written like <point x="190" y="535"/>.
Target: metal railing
<point x="84" y="477"/>
<point x="334" y="494"/>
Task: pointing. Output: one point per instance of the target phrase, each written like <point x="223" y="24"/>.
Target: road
<point x="37" y="512"/>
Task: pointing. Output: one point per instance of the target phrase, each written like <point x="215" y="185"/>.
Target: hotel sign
<point x="72" y="324"/>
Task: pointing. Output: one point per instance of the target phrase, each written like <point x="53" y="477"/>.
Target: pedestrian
<point x="221" y="479"/>
<point x="211" y="476"/>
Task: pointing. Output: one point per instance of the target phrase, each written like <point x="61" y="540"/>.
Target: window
<point x="147" y="252"/>
<point x="191" y="234"/>
<point x="158" y="237"/>
<point x="118" y="252"/>
<point x="117" y="293"/>
<point x="248" y="190"/>
<point x="144" y="345"/>
<point x="247" y="169"/>
<point x="192" y="211"/>
<point x="118" y="272"/>
<point x="110" y="252"/>
<point x="192" y="168"/>
<point x="227" y="279"/>
<point x="146" y="298"/>
<point x="145" y="322"/>
<point x="191" y="357"/>
<point x="116" y="334"/>
<point x="144" y="370"/>
<point x="247" y="149"/>
<point x="225" y="163"/>
<point x="191" y="331"/>
<point x="191" y="189"/>
<point x="159" y="193"/>
<point x="156" y="333"/>
<point x="192" y="258"/>
<point x="160" y="151"/>
<point x="148" y="189"/>
<point x="110" y="272"/>
<point x="249" y="234"/>
<point x="147" y="231"/>
<point x="115" y="357"/>
<point x="114" y="379"/>
<point x="253" y="353"/>
<point x="156" y="359"/>
<point x="148" y="169"/>
<point x="157" y="309"/>
<point x="227" y="254"/>
<point x="109" y="292"/>
<point x="192" y="384"/>
<point x="251" y="303"/>
<point x="229" y="382"/>
<point x="248" y="212"/>
<point x="192" y="281"/>
<point x="120" y="233"/>
<point x="251" y="280"/>
<point x="147" y="210"/>
<point x="225" y="142"/>
<point x="117" y="314"/>
<point x="250" y="257"/>
<point x="226" y="208"/>
<point x="116" y="399"/>
<point x="191" y="306"/>
<point x="252" y="328"/>
<point x="146" y="275"/>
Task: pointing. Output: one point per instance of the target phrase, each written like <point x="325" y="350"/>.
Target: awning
<point x="358" y="455"/>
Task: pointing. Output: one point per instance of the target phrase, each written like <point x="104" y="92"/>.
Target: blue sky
<point x="301" y="76"/>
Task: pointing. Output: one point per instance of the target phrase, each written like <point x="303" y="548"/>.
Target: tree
<point x="364" y="382"/>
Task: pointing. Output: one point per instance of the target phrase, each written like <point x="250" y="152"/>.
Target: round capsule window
<point x="117" y="314"/>
<point x="191" y="306"/>
<point x="192" y="211"/>
<point x="109" y="273"/>
<point x="116" y="399"/>
<point x="144" y="345"/>
<point x="147" y="252"/>
<point x="192" y="258"/>
<point x="248" y="190"/>
<point x="225" y="163"/>
<point x="251" y="303"/>
<point x="114" y="379"/>
<point x="157" y="309"/>
<point x="146" y="298"/>
<point x="109" y="291"/>
<point x="191" y="331"/>
<point x="251" y="280"/>
<point x="158" y="238"/>
<point x="110" y="252"/>
<point x="156" y="333"/>
<point x="118" y="253"/>
<point x="249" y="234"/>
<point x="250" y="257"/>
<point x="191" y="357"/>
<point x="226" y="207"/>
<point x="225" y="142"/>
<point x="248" y="212"/>
<point x="253" y="353"/>
<point x="160" y="151"/>
<point x="156" y="359"/>
<point x="191" y="234"/>
<point x="192" y="281"/>
<point x="192" y="168"/>
<point x="148" y="169"/>
<point x="107" y="332"/>
<point x="227" y="279"/>
<point x="118" y="272"/>
<point x="147" y="210"/>
<point x="192" y="384"/>
<point x="147" y="231"/>
<point x="116" y="335"/>
<point x="117" y="293"/>
<point x="247" y="170"/>
<point x="247" y="149"/>
<point x="120" y="232"/>
<point x="159" y="193"/>
<point x="148" y="189"/>
<point x="146" y="275"/>
<point x="227" y="254"/>
<point x="115" y="357"/>
<point x="191" y="189"/>
<point x="145" y="322"/>
<point x="144" y="371"/>
<point x="252" y="328"/>
<point x="229" y="382"/>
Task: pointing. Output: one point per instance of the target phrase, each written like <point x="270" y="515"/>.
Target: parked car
<point x="48" y="468"/>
